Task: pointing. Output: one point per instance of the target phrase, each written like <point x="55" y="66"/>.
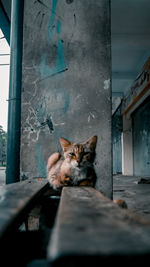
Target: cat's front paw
<point x="67" y="181"/>
<point x="86" y="183"/>
<point x="121" y="203"/>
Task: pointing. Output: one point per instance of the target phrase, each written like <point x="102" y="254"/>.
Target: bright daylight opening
<point x="4" y="89"/>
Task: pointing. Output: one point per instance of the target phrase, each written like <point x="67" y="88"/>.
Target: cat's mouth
<point x="79" y="166"/>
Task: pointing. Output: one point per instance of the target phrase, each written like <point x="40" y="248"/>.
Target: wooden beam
<point x="137" y="98"/>
<point x="90" y="228"/>
<point x="15" y="199"/>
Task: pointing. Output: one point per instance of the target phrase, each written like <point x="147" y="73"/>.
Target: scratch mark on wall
<point x="91" y="116"/>
<point x="40" y="162"/>
<point x="53" y="74"/>
<point x="39" y="18"/>
<point x="57" y="102"/>
<point x="42" y="20"/>
<point x="38" y="14"/>
<point x="40" y="2"/>
<point x="75" y="20"/>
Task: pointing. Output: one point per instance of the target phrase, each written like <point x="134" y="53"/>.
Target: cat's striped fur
<point x="74" y="166"/>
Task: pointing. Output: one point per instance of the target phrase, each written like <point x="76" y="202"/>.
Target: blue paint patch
<point x="58" y="26"/>
<point x="61" y="65"/>
<point x="40" y="162"/>
<point x="52" y="19"/>
<point x="45" y="70"/>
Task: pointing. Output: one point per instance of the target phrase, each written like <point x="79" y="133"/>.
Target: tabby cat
<point x="74" y="166"/>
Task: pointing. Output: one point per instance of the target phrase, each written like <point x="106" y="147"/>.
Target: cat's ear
<point x="64" y="143"/>
<point x="92" y="142"/>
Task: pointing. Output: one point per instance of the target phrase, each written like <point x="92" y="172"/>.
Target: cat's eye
<point x="72" y="154"/>
<point x="86" y="153"/>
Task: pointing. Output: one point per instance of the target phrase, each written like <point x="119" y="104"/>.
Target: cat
<point x="121" y="203"/>
<point x="75" y="166"/>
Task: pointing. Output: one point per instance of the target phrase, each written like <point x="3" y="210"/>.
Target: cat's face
<point x="79" y="155"/>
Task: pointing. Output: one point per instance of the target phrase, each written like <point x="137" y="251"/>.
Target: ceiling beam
<point x="4" y="24"/>
<point x="7" y="8"/>
<point x="123" y="75"/>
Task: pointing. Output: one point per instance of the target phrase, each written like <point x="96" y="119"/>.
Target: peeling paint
<point x="106" y="84"/>
<point x="40" y="2"/>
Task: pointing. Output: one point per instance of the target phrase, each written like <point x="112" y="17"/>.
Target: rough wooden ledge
<point x="90" y="228"/>
<point x="15" y="199"/>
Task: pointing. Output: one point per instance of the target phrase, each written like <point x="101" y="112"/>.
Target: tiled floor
<point x="2" y="175"/>
<point x="137" y="196"/>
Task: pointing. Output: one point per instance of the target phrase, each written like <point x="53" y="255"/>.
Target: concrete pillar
<point x="66" y="89"/>
<point x="127" y="147"/>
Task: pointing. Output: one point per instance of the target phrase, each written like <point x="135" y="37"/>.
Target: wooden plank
<point x="15" y="199"/>
<point x="90" y="227"/>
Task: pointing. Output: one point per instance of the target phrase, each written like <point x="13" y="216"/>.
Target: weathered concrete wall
<point x="66" y="82"/>
<point x="141" y="139"/>
<point x="116" y="140"/>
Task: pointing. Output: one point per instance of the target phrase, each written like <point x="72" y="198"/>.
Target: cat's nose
<point x="78" y="161"/>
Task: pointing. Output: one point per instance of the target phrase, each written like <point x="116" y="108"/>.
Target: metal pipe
<point x="15" y="82"/>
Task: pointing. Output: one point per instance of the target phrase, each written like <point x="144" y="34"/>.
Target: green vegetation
<point x="3" y="144"/>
